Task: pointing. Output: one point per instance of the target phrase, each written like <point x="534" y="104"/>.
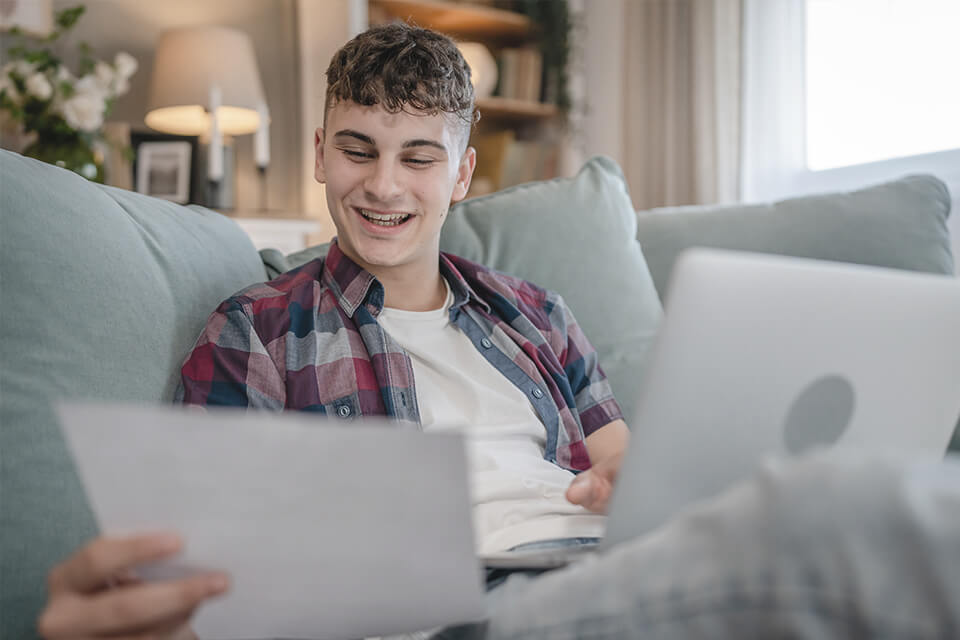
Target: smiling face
<point x="390" y="179"/>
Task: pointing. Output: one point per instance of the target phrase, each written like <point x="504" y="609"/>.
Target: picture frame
<point x="164" y="166"/>
<point x="163" y="170"/>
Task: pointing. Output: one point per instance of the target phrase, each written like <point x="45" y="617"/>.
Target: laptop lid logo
<point x="819" y="415"/>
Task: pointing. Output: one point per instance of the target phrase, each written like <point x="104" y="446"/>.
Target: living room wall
<point x="135" y="25"/>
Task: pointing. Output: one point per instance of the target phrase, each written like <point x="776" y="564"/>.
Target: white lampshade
<point x="189" y="63"/>
<point x="483" y="68"/>
<point x="33" y="17"/>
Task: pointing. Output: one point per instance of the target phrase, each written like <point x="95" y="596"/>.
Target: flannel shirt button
<point x="485" y="343"/>
<point x="537" y="393"/>
<point x="343" y="411"/>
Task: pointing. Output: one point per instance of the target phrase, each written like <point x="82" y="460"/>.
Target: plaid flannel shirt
<point x="309" y="340"/>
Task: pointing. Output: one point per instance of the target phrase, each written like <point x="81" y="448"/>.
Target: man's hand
<point x="92" y="594"/>
<point x="606" y="446"/>
<point x="593" y="487"/>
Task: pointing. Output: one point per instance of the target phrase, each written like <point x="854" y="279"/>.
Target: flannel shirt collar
<point x="462" y="291"/>
<point x="352" y="286"/>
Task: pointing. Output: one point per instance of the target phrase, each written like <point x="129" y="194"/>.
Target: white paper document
<point x="327" y="530"/>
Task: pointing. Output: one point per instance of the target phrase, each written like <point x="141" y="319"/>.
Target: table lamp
<point x="205" y="83"/>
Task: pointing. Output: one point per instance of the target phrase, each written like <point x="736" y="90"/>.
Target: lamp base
<point x="219" y="194"/>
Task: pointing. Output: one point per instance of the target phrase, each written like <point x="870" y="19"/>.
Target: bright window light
<point x="882" y="80"/>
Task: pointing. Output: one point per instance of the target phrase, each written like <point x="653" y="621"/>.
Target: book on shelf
<point x="520" y="72"/>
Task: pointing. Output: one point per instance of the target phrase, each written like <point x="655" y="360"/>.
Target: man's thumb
<point x="580" y="489"/>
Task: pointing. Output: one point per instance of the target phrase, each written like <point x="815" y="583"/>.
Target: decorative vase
<point x="71" y="152"/>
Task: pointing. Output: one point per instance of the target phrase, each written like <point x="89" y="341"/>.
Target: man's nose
<point x="383" y="182"/>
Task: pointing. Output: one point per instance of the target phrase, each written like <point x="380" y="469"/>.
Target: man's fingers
<point x="591" y="491"/>
<point x="130" y="609"/>
<point x="94" y="564"/>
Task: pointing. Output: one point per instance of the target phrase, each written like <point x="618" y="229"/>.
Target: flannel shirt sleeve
<point x="591" y="390"/>
<point x="231" y="366"/>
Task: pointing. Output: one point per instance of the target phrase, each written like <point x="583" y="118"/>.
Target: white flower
<point x="89" y="85"/>
<point x="121" y="86"/>
<point x="23" y="68"/>
<point x="64" y="75"/>
<point x="39" y="87"/>
<point x="84" y="111"/>
<point x="6" y="84"/>
<point x="103" y="73"/>
<point x="125" y="64"/>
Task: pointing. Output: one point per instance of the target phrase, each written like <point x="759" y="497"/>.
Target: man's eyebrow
<point x="350" y="133"/>
<point x="424" y="143"/>
<point x="419" y="142"/>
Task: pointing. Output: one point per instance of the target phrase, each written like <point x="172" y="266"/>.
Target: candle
<point x="261" y="139"/>
<point x="215" y="152"/>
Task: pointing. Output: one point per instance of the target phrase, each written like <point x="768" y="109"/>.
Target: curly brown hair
<point x="398" y="67"/>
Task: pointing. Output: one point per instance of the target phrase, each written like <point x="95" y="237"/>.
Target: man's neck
<point x="412" y="290"/>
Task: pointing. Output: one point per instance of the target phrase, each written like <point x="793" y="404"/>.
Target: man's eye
<point x="359" y="155"/>
<point x="420" y="162"/>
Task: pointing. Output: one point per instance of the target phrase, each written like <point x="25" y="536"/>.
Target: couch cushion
<point x="571" y="235"/>
<point x="900" y="224"/>
<point x="104" y="292"/>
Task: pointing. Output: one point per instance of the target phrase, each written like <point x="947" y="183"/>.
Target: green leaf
<point x="68" y="17"/>
<point x="42" y="58"/>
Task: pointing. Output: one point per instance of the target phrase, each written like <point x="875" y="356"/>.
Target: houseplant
<point x="62" y="111"/>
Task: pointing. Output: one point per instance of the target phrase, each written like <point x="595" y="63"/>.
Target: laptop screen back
<point x="766" y="355"/>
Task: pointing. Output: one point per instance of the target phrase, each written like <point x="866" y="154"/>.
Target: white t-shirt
<point x="518" y="496"/>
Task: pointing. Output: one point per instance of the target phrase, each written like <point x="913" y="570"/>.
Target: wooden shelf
<point x="511" y="109"/>
<point x="456" y="19"/>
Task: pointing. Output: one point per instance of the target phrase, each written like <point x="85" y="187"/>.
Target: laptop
<point x="761" y="355"/>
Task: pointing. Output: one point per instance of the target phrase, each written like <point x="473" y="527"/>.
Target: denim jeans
<point x="815" y="548"/>
<point x="496" y="577"/>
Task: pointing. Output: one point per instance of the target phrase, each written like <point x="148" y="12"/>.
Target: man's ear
<point x="464" y="174"/>
<point x="319" y="173"/>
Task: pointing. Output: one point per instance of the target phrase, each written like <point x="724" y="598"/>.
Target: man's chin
<point x="382" y="260"/>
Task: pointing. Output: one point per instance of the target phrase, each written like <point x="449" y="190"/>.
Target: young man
<point x="387" y="325"/>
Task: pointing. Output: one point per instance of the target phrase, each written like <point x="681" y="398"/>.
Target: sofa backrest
<point x="103" y="293"/>
<point x="900" y="224"/>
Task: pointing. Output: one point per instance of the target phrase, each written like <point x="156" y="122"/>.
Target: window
<point x="841" y="94"/>
<point x="881" y="80"/>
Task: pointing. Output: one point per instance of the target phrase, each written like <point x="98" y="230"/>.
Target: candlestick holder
<point x="217" y="194"/>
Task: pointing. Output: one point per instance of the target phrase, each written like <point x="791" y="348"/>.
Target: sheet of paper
<point x="328" y="531"/>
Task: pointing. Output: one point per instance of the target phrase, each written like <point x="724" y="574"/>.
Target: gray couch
<point x="104" y="291"/>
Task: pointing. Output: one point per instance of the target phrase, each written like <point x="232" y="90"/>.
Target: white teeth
<point x="386" y="220"/>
